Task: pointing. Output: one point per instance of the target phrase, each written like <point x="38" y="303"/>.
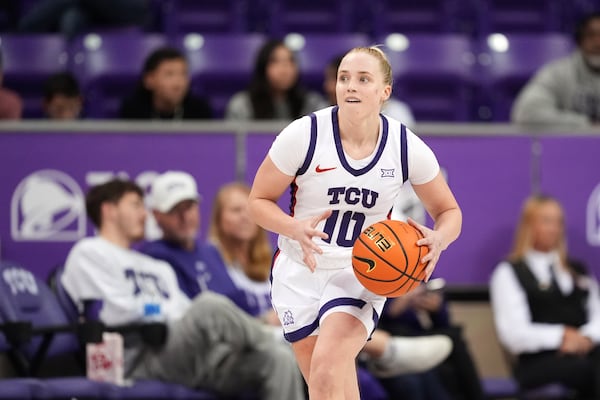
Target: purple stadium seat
<point x="315" y="51"/>
<point x="309" y="16"/>
<point x="433" y="74"/>
<point x="505" y="388"/>
<point x="220" y="65"/>
<point x="18" y="388"/>
<point x="109" y="66"/>
<point x="417" y="16"/>
<point x="28" y="60"/>
<point x="507" y="68"/>
<point x="26" y="298"/>
<point x="206" y="16"/>
<point x="518" y="16"/>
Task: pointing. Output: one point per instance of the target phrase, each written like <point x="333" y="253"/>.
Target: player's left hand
<point x="434" y="241"/>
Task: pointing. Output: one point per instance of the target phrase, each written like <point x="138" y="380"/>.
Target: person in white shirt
<point x="210" y="344"/>
<point x="546" y="306"/>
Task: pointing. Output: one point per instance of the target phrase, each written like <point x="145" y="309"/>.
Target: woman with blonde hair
<point x="244" y="246"/>
<point x="546" y="306"/>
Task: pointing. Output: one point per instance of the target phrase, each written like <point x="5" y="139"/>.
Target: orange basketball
<point x="386" y="259"/>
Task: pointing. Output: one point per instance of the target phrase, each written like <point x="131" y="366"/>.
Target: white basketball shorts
<point x="302" y="299"/>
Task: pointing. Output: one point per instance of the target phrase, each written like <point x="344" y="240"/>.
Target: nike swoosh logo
<point x="319" y="169"/>
<point x="369" y="262"/>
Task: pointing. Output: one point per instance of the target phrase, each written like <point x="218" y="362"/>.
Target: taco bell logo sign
<point x="593" y="218"/>
<point x="47" y="205"/>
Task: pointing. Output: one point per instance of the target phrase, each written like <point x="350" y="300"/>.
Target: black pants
<point x="579" y="373"/>
<point x="458" y="371"/>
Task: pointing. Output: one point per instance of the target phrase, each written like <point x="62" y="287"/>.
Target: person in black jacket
<point x="163" y="91"/>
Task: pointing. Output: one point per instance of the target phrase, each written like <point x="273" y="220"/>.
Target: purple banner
<point x="490" y="177"/>
<point x="45" y="177"/>
<point x="570" y="171"/>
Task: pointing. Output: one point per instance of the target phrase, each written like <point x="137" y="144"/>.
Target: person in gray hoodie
<point x="565" y="93"/>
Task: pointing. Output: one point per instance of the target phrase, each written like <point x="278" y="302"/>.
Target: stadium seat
<point x="108" y="67"/>
<point x="315" y="51"/>
<point x="504" y="388"/>
<point x="508" y="62"/>
<point x="518" y="16"/>
<point x="308" y="16"/>
<point x="417" y="16"/>
<point x="433" y="74"/>
<point x="28" y="60"/>
<point x="206" y="16"/>
<point x="24" y="298"/>
<point x="220" y="65"/>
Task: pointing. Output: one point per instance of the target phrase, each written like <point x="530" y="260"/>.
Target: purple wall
<point x="45" y="176"/>
<point x="490" y="176"/>
<point x="570" y="171"/>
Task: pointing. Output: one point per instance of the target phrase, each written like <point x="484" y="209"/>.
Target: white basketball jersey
<point x="359" y="192"/>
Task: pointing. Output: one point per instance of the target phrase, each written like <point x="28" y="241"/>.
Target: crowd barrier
<point x="46" y="169"/>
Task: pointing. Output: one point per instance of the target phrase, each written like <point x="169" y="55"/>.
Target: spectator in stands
<point x="546" y="305"/>
<point x="71" y="17"/>
<point x="211" y="344"/>
<point x="11" y="105"/>
<point x="392" y="107"/>
<point x="244" y="249"/>
<point x="164" y="90"/>
<point x="274" y="91"/>
<point x="566" y="92"/>
<point x="62" y="98"/>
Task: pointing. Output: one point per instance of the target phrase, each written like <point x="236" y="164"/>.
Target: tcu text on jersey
<point x="146" y="283"/>
<point x="347" y="234"/>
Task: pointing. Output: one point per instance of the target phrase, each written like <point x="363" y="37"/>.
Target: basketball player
<point x="211" y="344"/>
<point x="346" y="165"/>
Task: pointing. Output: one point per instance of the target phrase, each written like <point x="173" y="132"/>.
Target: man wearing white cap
<point x="210" y="344"/>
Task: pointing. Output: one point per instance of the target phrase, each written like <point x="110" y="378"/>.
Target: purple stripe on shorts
<point x="308" y="329"/>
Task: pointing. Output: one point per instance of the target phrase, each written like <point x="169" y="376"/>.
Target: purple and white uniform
<point x="360" y="193"/>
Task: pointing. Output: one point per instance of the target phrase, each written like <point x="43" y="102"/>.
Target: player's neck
<point x="359" y="128"/>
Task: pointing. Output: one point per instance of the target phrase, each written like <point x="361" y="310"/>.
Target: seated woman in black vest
<point x="546" y="306"/>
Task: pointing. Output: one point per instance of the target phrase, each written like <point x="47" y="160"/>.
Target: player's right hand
<point x="303" y="234"/>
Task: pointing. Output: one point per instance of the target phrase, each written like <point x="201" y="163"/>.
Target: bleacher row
<point x="443" y="77"/>
<point x="374" y="17"/>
